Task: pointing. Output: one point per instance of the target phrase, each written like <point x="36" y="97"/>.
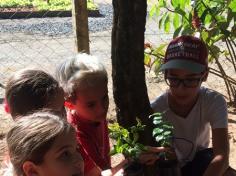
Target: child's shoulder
<point x="160" y="103"/>
<point x="211" y="95"/>
<point x="212" y="100"/>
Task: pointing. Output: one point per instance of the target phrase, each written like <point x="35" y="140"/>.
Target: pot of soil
<point x="134" y="169"/>
<point x="168" y="168"/>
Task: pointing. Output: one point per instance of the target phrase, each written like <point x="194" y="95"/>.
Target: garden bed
<point x="31" y="13"/>
<point x="16" y="9"/>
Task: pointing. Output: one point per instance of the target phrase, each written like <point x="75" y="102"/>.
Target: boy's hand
<point x="150" y="156"/>
<point x="115" y="171"/>
<point x="156" y="149"/>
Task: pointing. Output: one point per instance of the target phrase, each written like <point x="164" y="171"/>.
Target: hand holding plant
<point x="163" y="133"/>
<point x="127" y="140"/>
<point x="126" y="143"/>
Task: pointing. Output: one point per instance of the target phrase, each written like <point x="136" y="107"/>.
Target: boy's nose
<point x="180" y="89"/>
<point x="78" y="160"/>
<point x="181" y="85"/>
<point x="103" y="107"/>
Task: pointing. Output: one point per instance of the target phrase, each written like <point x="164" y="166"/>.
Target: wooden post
<point x="80" y="25"/>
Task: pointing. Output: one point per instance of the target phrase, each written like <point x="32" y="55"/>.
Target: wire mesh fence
<point x="43" y="42"/>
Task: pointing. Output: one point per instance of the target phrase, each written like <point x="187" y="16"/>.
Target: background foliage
<point x="214" y="21"/>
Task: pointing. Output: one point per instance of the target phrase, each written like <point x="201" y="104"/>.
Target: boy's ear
<point x="205" y="75"/>
<point x="30" y="169"/>
<point x="69" y="105"/>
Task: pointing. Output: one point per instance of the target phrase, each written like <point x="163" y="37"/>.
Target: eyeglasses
<point x="190" y="82"/>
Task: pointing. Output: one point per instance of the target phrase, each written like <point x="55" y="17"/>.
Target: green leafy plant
<point x="163" y="131"/>
<point x="44" y="5"/>
<point x="153" y="56"/>
<point x="163" y="134"/>
<point x="214" y="21"/>
<point x="127" y="140"/>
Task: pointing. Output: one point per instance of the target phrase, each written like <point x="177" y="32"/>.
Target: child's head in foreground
<point x="43" y="144"/>
<point x="29" y="90"/>
<point x="186" y="67"/>
<point x="84" y="80"/>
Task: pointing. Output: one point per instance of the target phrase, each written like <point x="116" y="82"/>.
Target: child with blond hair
<point x="84" y="80"/>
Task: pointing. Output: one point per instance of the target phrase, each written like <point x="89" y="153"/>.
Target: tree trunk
<point x="80" y="25"/>
<point x="128" y="72"/>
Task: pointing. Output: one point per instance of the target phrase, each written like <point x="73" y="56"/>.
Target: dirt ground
<point x="155" y="87"/>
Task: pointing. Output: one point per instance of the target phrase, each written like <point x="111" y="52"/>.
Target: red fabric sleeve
<point x="88" y="162"/>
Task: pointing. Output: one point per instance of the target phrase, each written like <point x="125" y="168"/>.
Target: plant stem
<point x="231" y="52"/>
<point x="218" y="73"/>
<point x="233" y="41"/>
<point x="223" y="74"/>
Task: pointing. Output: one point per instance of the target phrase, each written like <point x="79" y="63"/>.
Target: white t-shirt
<point x="192" y="133"/>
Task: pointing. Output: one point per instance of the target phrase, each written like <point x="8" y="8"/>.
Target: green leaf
<point x="161" y="3"/>
<point x="167" y="126"/>
<point x="159" y="138"/>
<point x="167" y="133"/>
<point x="176" y="21"/>
<point x="157" y="118"/>
<point x="203" y="15"/>
<point x="157" y="122"/>
<point x="177" y="31"/>
<point x="155" y="114"/>
<point x="157" y="65"/>
<point x="232" y="5"/>
<point x="226" y="33"/>
<point x="161" y="20"/>
<point x="157" y="131"/>
<point x="153" y="10"/>
<point x="157" y="11"/>
<point x="182" y="3"/>
<point x="175" y="3"/>
<point x="187" y="30"/>
<point x="215" y="50"/>
<point x="208" y="22"/>
<point x="113" y="152"/>
<point x="147" y="59"/>
<point x="205" y="35"/>
<point x="160" y="49"/>
<point x="167" y="23"/>
<point x="230" y="16"/>
<point x="180" y="11"/>
<point x="190" y="16"/>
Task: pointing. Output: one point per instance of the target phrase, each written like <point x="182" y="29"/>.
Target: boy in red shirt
<point x="84" y="80"/>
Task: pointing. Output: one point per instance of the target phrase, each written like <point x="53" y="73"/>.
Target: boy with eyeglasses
<point x="194" y="110"/>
